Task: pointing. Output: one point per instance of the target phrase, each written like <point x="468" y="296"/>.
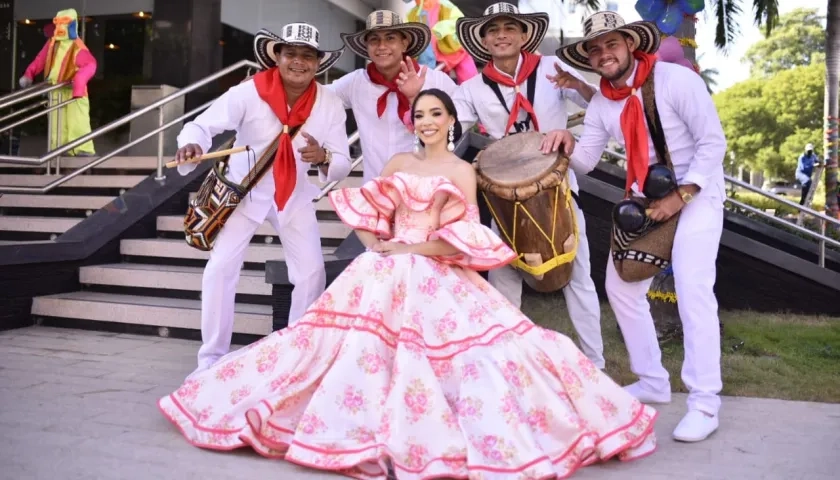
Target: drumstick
<point x="209" y="156"/>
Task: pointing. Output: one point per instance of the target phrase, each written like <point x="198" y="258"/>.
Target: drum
<point x="529" y="197"/>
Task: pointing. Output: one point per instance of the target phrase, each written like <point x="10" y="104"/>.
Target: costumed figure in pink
<point x="66" y="58"/>
<point x="440" y="16"/>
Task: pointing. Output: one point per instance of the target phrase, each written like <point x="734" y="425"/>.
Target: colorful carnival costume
<point x="440" y="16"/>
<point x="417" y="360"/>
<point x="65" y="57"/>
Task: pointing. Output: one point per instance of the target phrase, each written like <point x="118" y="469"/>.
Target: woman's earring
<point x="451" y="145"/>
<point x="416" y="143"/>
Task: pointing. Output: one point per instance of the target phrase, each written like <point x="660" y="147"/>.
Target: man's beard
<point x="621" y="71"/>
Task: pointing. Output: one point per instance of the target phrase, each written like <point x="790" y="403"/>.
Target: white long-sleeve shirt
<point x="689" y="119"/>
<point x="380" y="137"/>
<point x="241" y="109"/>
<point x="476" y="102"/>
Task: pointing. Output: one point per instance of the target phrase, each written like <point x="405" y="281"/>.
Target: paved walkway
<point x="82" y="405"/>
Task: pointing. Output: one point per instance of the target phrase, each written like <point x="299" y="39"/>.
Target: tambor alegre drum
<point x="529" y="197"/>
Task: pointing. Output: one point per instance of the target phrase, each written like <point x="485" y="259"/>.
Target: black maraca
<point x="659" y="183"/>
<point x="630" y="215"/>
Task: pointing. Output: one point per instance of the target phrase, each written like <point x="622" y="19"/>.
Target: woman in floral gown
<point x="410" y="361"/>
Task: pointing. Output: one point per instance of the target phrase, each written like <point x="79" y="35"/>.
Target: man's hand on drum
<point x="665" y="208"/>
<point x="188" y="151"/>
<point x="410" y="81"/>
<point x="553" y="140"/>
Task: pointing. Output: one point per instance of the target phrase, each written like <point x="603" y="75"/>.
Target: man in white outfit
<point x="272" y="105"/>
<point x="379" y="105"/>
<point x="507" y="40"/>
<point x="623" y="56"/>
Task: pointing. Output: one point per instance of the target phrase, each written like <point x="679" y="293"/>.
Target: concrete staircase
<point x="27" y="217"/>
<point x="158" y="281"/>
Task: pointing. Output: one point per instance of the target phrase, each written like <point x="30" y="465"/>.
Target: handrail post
<point x="49" y="134"/>
<point x="58" y="118"/>
<point x="822" y="244"/>
<point x="160" y="176"/>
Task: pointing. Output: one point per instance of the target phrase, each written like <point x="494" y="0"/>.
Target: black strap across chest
<point x="530" y="89"/>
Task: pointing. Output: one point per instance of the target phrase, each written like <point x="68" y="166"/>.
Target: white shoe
<point x="646" y="396"/>
<point x="695" y="426"/>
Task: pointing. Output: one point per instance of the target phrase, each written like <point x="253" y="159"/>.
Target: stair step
<point x="85" y="181"/>
<point x="75" y="202"/>
<point x="21" y="223"/>
<point x="171" y="277"/>
<point x="331" y="229"/>
<point x="176" y="248"/>
<point x="155" y="311"/>
<point x="145" y="163"/>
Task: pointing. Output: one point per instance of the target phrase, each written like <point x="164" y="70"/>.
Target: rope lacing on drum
<point x="559" y="258"/>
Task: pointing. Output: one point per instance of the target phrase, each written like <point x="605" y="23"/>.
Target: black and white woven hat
<point x="469" y="29"/>
<point x="419" y="35"/>
<point x="293" y="34"/>
<point x="644" y="34"/>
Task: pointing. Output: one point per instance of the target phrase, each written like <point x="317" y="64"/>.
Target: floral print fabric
<point x="415" y="362"/>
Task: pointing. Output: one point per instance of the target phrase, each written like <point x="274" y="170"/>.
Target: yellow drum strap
<point x="559" y="258"/>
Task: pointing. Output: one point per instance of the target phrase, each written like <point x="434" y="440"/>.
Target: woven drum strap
<point x="264" y="163"/>
<point x="654" y="124"/>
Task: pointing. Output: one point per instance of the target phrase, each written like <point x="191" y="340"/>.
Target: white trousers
<point x="301" y="241"/>
<point x="581" y="296"/>
<point x="693" y="259"/>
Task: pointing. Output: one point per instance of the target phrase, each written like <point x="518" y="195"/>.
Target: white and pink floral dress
<point x="417" y="363"/>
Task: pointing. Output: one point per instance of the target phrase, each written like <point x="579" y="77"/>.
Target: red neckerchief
<point x="633" y="124"/>
<point x="379" y="79"/>
<point x="270" y="89"/>
<point x="530" y="62"/>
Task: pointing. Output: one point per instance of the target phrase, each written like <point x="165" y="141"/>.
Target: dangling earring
<point x="451" y="145"/>
<point x="416" y="143"/>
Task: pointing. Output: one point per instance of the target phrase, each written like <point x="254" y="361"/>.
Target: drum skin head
<point x="516" y="161"/>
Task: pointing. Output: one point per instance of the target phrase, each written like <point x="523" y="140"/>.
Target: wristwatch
<point x="686" y="197"/>
<point x="327" y="158"/>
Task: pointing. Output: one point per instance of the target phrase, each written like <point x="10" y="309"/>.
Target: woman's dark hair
<point x="448" y="104"/>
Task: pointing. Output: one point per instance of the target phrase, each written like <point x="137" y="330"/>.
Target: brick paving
<point x="82" y="405"/>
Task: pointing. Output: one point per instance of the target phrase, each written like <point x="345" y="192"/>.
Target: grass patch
<point x="788" y="357"/>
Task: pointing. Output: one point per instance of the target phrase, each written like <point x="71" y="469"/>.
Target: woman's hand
<point x="391" y="248"/>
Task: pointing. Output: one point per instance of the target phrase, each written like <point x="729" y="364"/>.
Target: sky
<point x="729" y="65"/>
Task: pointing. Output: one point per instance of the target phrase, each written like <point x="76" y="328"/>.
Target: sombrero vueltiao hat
<point x="644" y="34"/>
<point x="293" y="34"/>
<point x="418" y="34"/>
<point x="469" y="29"/>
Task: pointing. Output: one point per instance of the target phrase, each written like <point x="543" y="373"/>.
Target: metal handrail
<point x="30" y="92"/>
<point x="819" y="236"/>
<point x="126" y="119"/>
<point x="36" y="115"/>
<point x="100" y="160"/>
<point x="24" y="110"/>
<point x="22" y="91"/>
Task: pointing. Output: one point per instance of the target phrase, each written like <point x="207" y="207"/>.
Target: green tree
<point x="767" y="122"/>
<point x="798" y="39"/>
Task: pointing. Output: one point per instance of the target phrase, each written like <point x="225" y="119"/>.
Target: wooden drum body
<point x="529" y="197"/>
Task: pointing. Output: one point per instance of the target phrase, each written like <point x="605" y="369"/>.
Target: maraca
<point x="630" y="215"/>
<point x="659" y="183"/>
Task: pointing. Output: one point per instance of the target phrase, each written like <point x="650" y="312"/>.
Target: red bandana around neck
<point x="633" y="124"/>
<point x="530" y="62"/>
<point x="379" y="79"/>
<point x="270" y="88"/>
